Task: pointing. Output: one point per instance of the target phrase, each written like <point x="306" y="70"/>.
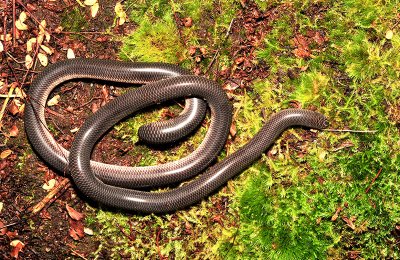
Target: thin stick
<point x="64" y="184"/>
<point x="219" y="49"/>
<point x="13" y="28"/>
<point x="373" y="180"/>
<point x="350" y="131"/>
<point x="3" y="109"/>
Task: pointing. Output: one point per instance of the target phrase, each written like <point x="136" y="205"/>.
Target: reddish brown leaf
<point x="14" y="131"/>
<point x="3" y="230"/>
<point x="192" y="50"/>
<point x="336" y="215"/>
<point x="76" y="229"/>
<point x="187" y="22"/>
<point x="302" y="50"/>
<point x="17" y="248"/>
<point x="73" y="213"/>
<point x="13" y="108"/>
<point x="232" y="129"/>
<point x="11" y="235"/>
<point x="239" y="60"/>
<point x="350" y="221"/>
<point x="319" y="38"/>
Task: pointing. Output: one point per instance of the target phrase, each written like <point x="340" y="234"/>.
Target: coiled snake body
<point x="113" y="185"/>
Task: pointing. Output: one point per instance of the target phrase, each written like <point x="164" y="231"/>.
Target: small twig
<point x="351" y="131"/>
<point x="158" y="233"/>
<point x="63" y="185"/>
<point x="75" y="253"/>
<point x="219" y="49"/>
<point x="373" y="180"/>
<point x="3" y="109"/>
<point x="13" y="25"/>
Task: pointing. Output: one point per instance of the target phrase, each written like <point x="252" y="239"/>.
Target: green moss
<point x="74" y="20"/>
<point x="154" y="42"/>
<point x="286" y="203"/>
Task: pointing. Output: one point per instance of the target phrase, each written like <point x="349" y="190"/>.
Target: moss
<point x="74" y="20"/>
<point x="154" y="42"/>
<point x="287" y="203"/>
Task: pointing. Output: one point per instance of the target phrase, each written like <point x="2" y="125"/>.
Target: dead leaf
<point x="18" y="246"/>
<point x="119" y="11"/>
<point x="13" y="108"/>
<point x="94" y="9"/>
<point x="350" y="221"/>
<point x="7" y="38"/>
<point x="76" y="229"/>
<point x="1" y="206"/>
<point x="70" y="54"/>
<point x="389" y="34"/>
<point x="29" y="44"/>
<point x="302" y="50"/>
<point x="23" y="16"/>
<point x="3" y="230"/>
<point x="88" y="231"/>
<point x="187" y="22"/>
<point x="14" y="131"/>
<point x="49" y="185"/>
<point x="46" y="49"/>
<point x="1" y="47"/>
<point x="28" y="61"/>
<point x="336" y="215"/>
<point x="4" y="154"/>
<point x="89" y="2"/>
<point x="43" y="59"/>
<point x="73" y="213"/>
<point x="20" y="25"/>
<point x="232" y="129"/>
<point x="12" y="234"/>
<point x="53" y="101"/>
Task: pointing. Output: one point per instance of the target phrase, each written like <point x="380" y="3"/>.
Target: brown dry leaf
<point x="336" y="215"/>
<point x="18" y="246"/>
<point x="187" y="22"/>
<point x="233" y="130"/>
<point x="76" y="229"/>
<point x="14" y="131"/>
<point x="73" y="213"/>
<point x="13" y="108"/>
<point x="302" y="50"/>
<point x="350" y="221"/>
<point x="4" y="154"/>
<point x="3" y="230"/>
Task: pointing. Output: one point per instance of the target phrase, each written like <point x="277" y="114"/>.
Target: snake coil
<point x="114" y="185"/>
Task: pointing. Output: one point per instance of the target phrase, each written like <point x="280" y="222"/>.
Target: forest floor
<point x="313" y="195"/>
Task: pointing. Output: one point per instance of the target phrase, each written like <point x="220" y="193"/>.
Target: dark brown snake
<point x="113" y="185"/>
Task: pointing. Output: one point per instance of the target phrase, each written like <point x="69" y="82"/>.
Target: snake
<point x="125" y="187"/>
